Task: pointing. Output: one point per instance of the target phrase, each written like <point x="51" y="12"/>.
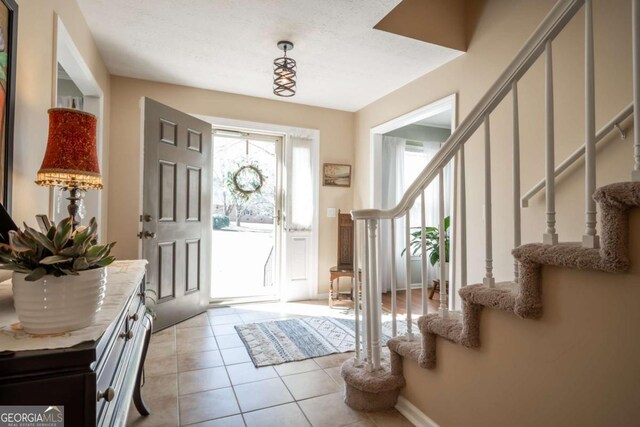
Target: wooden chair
<point x="345" y="261"/>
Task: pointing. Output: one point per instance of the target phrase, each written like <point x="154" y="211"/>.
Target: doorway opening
<point x="247" y="216"/>
<point x="401" y="149"/>
<point x="76" y="88"/>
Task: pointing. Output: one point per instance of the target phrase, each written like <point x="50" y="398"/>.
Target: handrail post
<point x="590" y="238"/>
<point x="423" y="254"/>
<point x="394" y="281"/>
<point x="463" y="221"/>
<point x="635" y="43"/>
<point x="356" y="293"/>
<point x="374" y="295"/>
<point x="550" y="236"/>
<point x="488" y="280"/>
<point x="408" y="273"/>
<point x="366" y="303"/>
<point x="453" y="236"/>
<point x="444" y="309"/>
<point x="517" y="220"/>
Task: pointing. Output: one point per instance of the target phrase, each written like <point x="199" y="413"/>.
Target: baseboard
<point x="413" y="414"/>
<point x="324" y="295"/>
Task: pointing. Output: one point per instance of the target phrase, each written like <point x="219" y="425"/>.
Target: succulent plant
<point x="62" y="251"/>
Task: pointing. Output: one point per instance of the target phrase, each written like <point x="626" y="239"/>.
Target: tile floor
<point x="199" y="373"/>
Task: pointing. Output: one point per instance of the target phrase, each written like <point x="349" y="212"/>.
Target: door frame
<point x="314" y="137"/>
<point x="279" y="203"/>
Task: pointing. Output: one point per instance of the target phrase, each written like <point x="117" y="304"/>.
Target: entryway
<point x="401" y="149"/>
<point x="247" y="215"/>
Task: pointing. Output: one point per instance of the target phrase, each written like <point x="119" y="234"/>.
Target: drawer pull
<point x="107" y="395"/>
<point x="134" y="317"/>
<point x="127" y="335"/>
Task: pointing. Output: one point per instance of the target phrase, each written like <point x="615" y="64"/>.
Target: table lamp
<point x="71" y="158"/>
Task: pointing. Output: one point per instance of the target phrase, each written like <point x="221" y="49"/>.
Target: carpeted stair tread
<point x="568" y="255"/>
<point x="449" y="327"/>
<point x="502" y="297"/>
<point x="405" y="348"/>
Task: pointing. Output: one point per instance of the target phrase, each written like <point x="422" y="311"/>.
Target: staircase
<point x="374" y="378"/>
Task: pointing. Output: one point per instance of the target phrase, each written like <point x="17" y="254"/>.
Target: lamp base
<point x="75" y="195"/>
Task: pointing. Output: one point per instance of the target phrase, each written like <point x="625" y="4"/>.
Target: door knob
<point x="146" y="235"/>
<point x="107" y="395"/>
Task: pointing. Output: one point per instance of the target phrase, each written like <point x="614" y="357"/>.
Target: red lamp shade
<point x="71" y="158"/>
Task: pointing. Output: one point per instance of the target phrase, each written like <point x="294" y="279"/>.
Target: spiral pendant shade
<point x="284" y="73"/>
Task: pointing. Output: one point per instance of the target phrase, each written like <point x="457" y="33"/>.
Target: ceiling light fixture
<point x="284" y="72"/>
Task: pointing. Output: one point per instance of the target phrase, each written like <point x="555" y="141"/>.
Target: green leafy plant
<point x="62" y="251"/>
<point x="432" y="237"/>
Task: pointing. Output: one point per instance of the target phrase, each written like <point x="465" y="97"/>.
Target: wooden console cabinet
<point x="96" y="381"/>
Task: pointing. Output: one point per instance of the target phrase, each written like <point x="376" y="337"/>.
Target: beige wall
<point x="576" y="366"/>
<point x="34" y="81"/>
<point x="336" y="145"/>
<point x="502" y="28"/>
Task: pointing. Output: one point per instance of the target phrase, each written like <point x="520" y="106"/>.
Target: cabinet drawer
<point x="117" y="349"/>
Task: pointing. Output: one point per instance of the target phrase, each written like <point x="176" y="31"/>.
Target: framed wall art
<point x="336" y="175"/>
<point x="8" y="41"/>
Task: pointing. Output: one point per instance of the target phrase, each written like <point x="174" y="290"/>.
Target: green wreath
<point x="248" y="179"/>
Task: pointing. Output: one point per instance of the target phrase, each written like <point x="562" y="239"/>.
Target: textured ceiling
<point x="229" y="46"/>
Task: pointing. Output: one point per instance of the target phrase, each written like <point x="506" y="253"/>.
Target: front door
<point x="246" y="216"/>
<point x="176" y="229"/>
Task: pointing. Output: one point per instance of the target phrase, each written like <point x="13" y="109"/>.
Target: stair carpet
<point x="377" y="390"/>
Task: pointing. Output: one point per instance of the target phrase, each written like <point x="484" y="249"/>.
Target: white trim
<point x="314" y="136"/>
<point x="413" y="414"/>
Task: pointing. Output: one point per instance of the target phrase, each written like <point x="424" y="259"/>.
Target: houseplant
<point x="59" y="278"/>
<point x="432" y="237"/>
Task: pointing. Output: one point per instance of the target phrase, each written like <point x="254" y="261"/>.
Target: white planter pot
<point x="59" y="304"/>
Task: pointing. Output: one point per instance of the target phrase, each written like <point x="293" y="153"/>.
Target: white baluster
<point x="590" y="238"/>
<point x="453" y="242"/>
<point x="635" y="43"/>
<point x="463" y="221"/>
<point x="366" y="303"/>
<point x="517" y="227"/>
<point x="423" y="254"/>
<point x="394" y="281"/>
<point x="408" y="273"/>
<point x="488" y="280"/>
<point x="356" y="293"/>
<point x="550" y="236"/>
<point x="444" y="310"/>
<point x="374" y="296"/>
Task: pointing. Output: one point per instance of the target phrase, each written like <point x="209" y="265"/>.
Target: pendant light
<point x="284" y="72"/>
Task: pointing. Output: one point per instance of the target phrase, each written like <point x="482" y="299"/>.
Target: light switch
<point x="331" y="212"/>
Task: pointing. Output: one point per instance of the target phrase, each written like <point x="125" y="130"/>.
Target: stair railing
<point x="368" y="221"/>
<point x="614" y="123"/>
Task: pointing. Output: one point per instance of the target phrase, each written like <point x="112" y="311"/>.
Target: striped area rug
<point x="281" y="341"/>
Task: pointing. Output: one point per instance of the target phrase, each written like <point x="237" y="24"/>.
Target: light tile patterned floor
<point x="199" y="373"/>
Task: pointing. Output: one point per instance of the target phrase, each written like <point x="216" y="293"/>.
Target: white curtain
<point x="300" y="185"/>
<point x="393" y="185"/>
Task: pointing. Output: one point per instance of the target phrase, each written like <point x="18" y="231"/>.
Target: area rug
<point x="281" y="341"/>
